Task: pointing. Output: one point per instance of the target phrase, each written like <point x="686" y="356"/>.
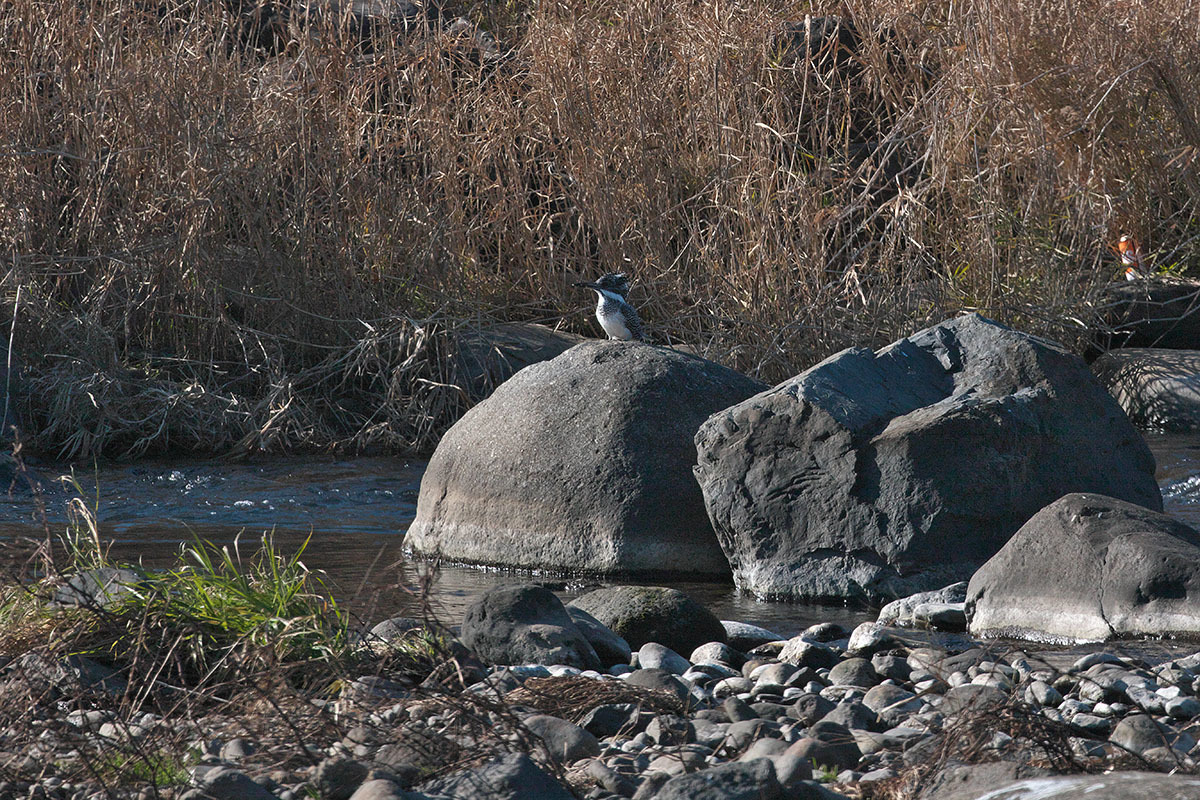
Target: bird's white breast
<point x="611" y="318"/>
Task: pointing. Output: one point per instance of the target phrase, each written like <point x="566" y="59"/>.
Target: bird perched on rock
<point x="1131" y="258"/>
<point x="619" y="319"/>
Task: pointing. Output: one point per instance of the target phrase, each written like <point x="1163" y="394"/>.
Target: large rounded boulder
<point x="1091" y="568"/>
<point x="882" y="474"/>
<point x="581" y="463"/>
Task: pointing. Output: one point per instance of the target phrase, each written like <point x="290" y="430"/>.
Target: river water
<point x="353" y="513"/>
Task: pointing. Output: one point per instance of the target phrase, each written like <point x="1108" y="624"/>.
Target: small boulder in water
<point x="642" y="614"/>
<point x="525" y="625"/>
<point x="877" y="474"/>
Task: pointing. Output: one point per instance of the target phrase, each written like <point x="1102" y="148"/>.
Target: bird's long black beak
<point x="585" y="285"/>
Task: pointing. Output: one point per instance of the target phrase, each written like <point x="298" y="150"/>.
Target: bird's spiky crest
<point x="614" y="282"/>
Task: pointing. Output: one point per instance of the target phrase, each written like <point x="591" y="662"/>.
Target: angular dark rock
<point x="581" y="463"/>
<point x="613" y="718"/>
<point x="223" y="783"/>
<point x="670" y="729"/>
<point x="510" y="777"/>
<point x="854" y="715"/>
<point x="1141" y="732"/>
<point x="565" y="741"/>
<point x="418" y="750"/>
<point x="609" y="647"/>
<point x="809" y="708"/>
<point x="338" y="778"/>
<point x="831" y="746"/>
<point x="738" y="710"/>
<point x="752" y="780"/>
<point x="840" y="482"/>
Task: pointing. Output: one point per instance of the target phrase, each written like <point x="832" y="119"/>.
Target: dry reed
<point x="233" y="242"/>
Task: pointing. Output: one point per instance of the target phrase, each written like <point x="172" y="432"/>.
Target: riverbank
<point x="407" y="711"/>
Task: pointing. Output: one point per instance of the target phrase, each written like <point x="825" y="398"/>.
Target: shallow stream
<point x="353" y="514"/>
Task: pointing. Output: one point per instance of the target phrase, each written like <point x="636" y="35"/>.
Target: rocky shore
<point x="541" y="700"/>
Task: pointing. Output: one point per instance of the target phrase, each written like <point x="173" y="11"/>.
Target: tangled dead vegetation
<point x="571" y="698"/>
<point x="1013" y="731"/>
<point x="268" y="239"/>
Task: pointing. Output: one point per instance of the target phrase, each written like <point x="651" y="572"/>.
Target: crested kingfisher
<point x="619" y="319"/>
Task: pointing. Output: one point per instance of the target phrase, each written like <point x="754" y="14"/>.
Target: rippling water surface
<point x="353" y="514"/>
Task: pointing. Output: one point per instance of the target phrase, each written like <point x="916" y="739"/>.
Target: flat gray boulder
<point x="525" y="625"/>
<point x="881" y="474"/>
<point x="1090" y="568"/>
<point x="1157" y="388"/>
<point x="1110" y="786"/>
<point x="581" y="463"/>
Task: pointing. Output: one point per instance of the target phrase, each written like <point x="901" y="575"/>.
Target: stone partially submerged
<point x="1091" y="568"/>
<point x="525" y="625"/>
<point x="641" y="614"/>
<point x="581" y="463"/>
<point x="1151" y="313"/>
<point x="882" y="474"/>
